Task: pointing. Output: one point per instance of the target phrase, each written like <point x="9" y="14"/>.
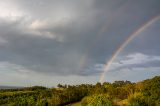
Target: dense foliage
<point x="119" y="93"/>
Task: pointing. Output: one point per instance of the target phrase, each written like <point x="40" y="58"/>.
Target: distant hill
<point x="9" y="87"/>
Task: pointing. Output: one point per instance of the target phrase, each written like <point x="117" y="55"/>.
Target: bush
<point x="42" y="102"/>
<point x="136" y="99"/>
<point x="97" y="100"/>
<point x="86" y="100"/>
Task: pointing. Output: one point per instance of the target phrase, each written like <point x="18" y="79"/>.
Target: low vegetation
<point x="119" y="93"/>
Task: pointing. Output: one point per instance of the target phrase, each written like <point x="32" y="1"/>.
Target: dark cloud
<point x="52" y="37"/>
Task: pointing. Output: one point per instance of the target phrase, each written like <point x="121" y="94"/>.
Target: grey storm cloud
<point x="52" y="36"/>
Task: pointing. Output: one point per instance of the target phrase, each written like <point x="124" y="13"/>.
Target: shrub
<point x="136" y="99"/>
<point x="97" y="100"/>
<point x="42" y="102"/>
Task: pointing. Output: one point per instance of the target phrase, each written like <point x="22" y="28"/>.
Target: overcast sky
<point x="46" y="42"/>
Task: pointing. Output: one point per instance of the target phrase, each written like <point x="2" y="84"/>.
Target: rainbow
<point x="83" y="60"/>
<point x="125" y="43"/>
